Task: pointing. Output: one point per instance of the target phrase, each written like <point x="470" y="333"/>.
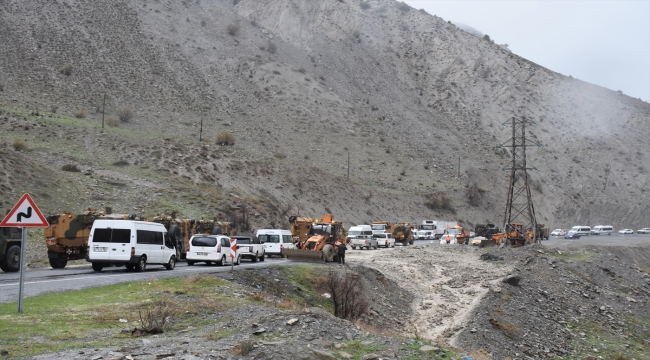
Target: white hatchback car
<point x="558" y="232"/>
<point x="626" y="231"/>
<point x="643" y="231"/>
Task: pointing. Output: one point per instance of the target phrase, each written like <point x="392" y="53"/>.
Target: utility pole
<point x="348" y="164"/>
<point x="519" y="205"/>
<point x="458" y="166"/>
<point x="103" y="107"/>
<point x="201" y="131"/>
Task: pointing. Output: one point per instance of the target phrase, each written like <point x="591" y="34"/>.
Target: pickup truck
<point x="250" y="248"/>
<point x="361" y="241"/>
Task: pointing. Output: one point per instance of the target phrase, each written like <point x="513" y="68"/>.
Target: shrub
<point x="233" y="29"/>
<point x="404" y="7"/>
<point x="486" y="37"/>
<point x="225" y="138"/>
<point x="66" y="69"/>
<point x="125" y="114"/>
<point x="54" y="108"/>
<point x="439" y="202"/>
<point x="473" y="195"/>
<point x="365" y="5"/>
<point x="347" y="292"/>
<point x="279" y="155"/>
<point x="70" y="167"/>
<point x="113" y="121"/>
<point x="121" y="163"/>
<point x="81" y="114"/>
<point x="156" y="316"/>
<point x="271" y="47"/>
<point x="19" y="145"/>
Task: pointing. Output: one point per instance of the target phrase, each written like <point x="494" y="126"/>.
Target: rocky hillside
<point x="301" y="84"/>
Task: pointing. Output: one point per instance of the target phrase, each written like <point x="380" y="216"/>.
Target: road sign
<point x="25" y="214"/>
<point x="233" y="248"/>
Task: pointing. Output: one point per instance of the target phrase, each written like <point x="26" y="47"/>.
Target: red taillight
<point x="219" y="248"/>
<point x="280" y="246"/>
<point x="132" y="251"/>
<point x="50" y="240"/>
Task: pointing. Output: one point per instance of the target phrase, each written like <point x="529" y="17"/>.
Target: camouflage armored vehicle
<point x="181" y="230"/>
<point x="10" y="243"/>
<point x="67" y="236"/>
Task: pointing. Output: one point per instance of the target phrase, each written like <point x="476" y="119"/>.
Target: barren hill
<point x="301" y="84"/>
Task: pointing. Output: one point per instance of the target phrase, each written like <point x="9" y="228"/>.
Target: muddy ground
<point x="434" y="302"/>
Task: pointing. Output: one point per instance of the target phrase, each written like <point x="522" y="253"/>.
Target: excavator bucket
<point x="303" y="255"/>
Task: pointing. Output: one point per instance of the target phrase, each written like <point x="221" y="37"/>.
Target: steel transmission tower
<point x="519" y="207"/>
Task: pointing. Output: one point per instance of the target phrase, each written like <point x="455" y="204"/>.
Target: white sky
<point x="603" y="42"/>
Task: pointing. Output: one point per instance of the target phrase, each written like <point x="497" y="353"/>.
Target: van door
<point x="168" y="248"/>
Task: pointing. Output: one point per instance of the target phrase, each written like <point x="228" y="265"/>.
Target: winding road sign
<point x="25" y="214"/>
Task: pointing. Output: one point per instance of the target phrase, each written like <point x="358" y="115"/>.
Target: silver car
<point x="363" y="241"/>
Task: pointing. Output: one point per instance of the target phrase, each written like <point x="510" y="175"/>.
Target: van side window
<point x="156" y="237"/>
<point x="167" y="239"/>
<point x="225" y="242"/>
<point x="121" y="236"/>
<point x="102" y="235"/>
<point x="262" y="238"/>
<point x="145" y="237"/>
<point x="287" y="239"/>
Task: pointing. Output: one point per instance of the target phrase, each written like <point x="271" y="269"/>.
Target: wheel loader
<point x="514" y="234"/>
<point x="316" y="241"/>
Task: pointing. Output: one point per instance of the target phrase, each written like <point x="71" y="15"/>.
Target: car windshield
<point x="355" y="232"/>
<point x="453" y="231"/>
<point x="379" y="227"/>
<point x="269" y="238"/>
<point x="427" y="227"/>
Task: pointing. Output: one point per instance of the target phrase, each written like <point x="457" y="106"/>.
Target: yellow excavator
<point x="514" y="234"/>
<point x="315" y="239"/>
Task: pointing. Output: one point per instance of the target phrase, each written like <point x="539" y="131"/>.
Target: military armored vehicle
<point x="10" y="243"/>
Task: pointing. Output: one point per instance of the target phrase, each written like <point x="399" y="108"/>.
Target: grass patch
<point x="358" y="349"/>
<point x="91" y="317"/>
<point x="610" y="343"/>
<point x="573" y="256"/>
<point x="222" y="333"/>
<point x="415" y="354"/>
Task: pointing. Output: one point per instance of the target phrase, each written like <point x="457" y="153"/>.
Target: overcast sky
<point x="603" y="42"/>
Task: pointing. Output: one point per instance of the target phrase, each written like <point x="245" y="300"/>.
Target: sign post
<point x="233" y="253"/>
<point x="23" y="215"/>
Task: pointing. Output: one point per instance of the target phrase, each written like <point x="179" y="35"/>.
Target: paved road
<point x="75" y="278"/>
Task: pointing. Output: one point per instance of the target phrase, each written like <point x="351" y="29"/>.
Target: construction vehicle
<point x="316" y="240"/>
<point x="542" y="232"/>
<point x="10" y="244"/>
<point x="486" y="230"/>
<point x="67" y="236"/>
<point x="402" y="231"/>
<point x="513" y="234"/>
<point x="181" y="230"/>
<point x="459" y="233"/>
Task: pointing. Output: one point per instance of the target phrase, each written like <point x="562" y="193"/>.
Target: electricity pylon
<point x="519" y="206"/>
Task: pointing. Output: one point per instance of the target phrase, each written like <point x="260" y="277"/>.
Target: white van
<point x="211" y="249"/>
<point x="275" y="240"/>
<point x="602" y="230"/>
<point x="582" y="230"/>
<point x="131" y="243"/>
<point x="355" y="231"/>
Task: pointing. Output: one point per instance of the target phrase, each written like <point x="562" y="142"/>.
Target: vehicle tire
<point x="11" y="261"/>
<point x="190" y="263"/>
<point x="222" y="262"/>
<point x="254" y="259"/>
<point x="328" y="253"/>
<point x="129" y="267"/>
<point x="375" y="247"/>
<point x="142" y="264"/>
<point x="97" y="267"/>
<point x="238" y="260"/>
<point x="171" y="264"/>
<point x="216" y="230"/>
<point x="174" y="234"/>
<point x="58" y="263"/>
<point x="262" y="258"/>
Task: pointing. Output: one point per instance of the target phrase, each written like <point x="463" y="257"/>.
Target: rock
<point x="345" y="355"/>
<point x="631" y="300"/>
<point x="427" y="348"/>
<point x="291" y="322"/>
<point x="162" y="356"/>
<point x="259" y="331"/>
<point x="370" y="357"/>
<point x="512" y="280"/>
<point x="473" y="330"/>
<point x="98" y="357"/>
<point x="324" y="355"/>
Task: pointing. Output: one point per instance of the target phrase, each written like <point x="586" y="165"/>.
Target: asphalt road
<point x="74" y="278"/>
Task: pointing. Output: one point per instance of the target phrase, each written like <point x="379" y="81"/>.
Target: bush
<point x="70" y="167"/>
<point x="404" y="7"/>
<point x="225" y="138"/>
<point x="19" y="145"/>
<point x="347" y="292"/>
<point x="271" y="47"/>
<point x="66" y="69"/>
<point x="81" y="114"/>
<point x="439" y="202"/>
<point x="486" y="37"/>
<point x="365" y="5"/>
<point x="121" y="163"/>
<point x="233" y="29"/>
<point x="279" y="155"/>
<point x="113" y="121"/>
<point x="473" y="195"/>
<point x="125" y="114"/>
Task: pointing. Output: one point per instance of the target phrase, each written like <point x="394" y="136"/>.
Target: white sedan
<point x="626" y="231"/>
<point x="558" y="232"/>
<point x="643" y="231"/>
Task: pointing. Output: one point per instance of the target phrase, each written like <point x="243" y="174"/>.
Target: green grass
<point x="415" y="347"/>
<point x="574" y="256"/>
<point x="91" y="317"/>
<point x="596" y="336"/>
<point x="358" y="349"/>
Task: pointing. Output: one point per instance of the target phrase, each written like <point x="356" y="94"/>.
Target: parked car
<point x="572" y="235"/>
<point x="385" y="239"/>
<point x="211" y="249"/>
<point x="249" y="248"/>
<point x="643" y="231"/>
<point x="626" y="231"/>
<point x="558" y="232"/>
<point x="364" y="241"/>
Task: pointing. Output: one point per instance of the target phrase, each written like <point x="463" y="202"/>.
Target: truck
<point x="317" y="240"/>
<point x="403" y="232"/>
<point x="459" y="234"/>
<point x="10" y="244"/>
<point x="249" y="248"/>
<point x="436" y="228"/>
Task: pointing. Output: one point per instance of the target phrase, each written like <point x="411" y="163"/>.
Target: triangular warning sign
<point x="25" y="214"/>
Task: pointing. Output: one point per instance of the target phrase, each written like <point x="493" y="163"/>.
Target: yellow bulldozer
<point x="315" y="239"/>
<point x="514" y="234"/>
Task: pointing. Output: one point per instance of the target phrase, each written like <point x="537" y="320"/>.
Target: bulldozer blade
<point x="486" y="242"/>
<point x="303" y="255"/>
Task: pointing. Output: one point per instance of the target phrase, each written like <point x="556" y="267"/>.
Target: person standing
<point x="341" y="252"/>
